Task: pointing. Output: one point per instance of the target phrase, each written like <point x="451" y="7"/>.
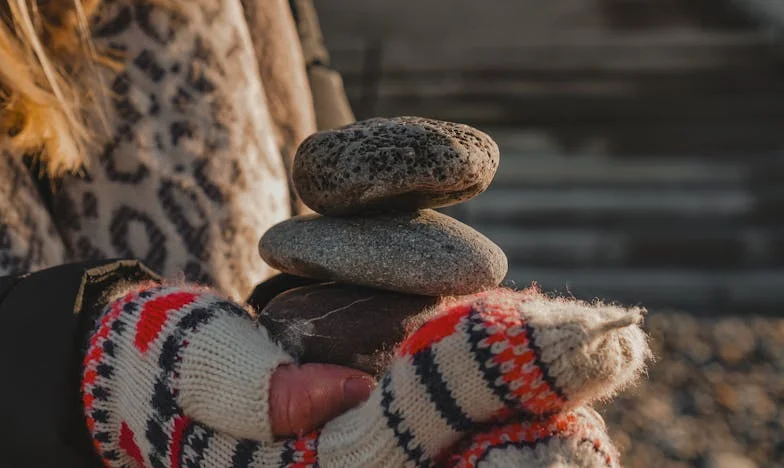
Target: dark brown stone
<point x="275" y="285"/>
<point x="343" y="324"/>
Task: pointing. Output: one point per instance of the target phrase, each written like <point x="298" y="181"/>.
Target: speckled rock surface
<point x="424" y="252"/>
<point x="397" y="164"/>
<point x="344" y="324"/>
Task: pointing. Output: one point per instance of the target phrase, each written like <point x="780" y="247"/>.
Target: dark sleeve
<point x="45" y="318"/>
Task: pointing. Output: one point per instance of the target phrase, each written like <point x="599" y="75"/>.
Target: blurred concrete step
<point x="596" y="205"/>
<point x="741" y="248"/>
<point x="669" y="49"/>
<point x="588" y="99"/>
<point x="538" y="185"/>
<point x="769" y="13"/>
<point x="699" y="291"/>
<point x="536" y="162"/>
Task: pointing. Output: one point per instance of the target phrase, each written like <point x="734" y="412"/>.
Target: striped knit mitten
<point x="569" y="439"/>
<point x="179" y="377"/>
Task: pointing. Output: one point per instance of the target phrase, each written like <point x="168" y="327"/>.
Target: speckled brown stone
<point x="344" y="324"/>
<point x="424" y="252"/>
<point x="397" y="164"/>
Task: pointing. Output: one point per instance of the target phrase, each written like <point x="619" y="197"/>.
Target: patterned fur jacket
<point x="191" y="175"/>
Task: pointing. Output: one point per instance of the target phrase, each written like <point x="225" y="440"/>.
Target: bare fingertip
<point x="356" y="390"/>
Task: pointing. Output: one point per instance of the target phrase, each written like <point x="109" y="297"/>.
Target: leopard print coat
<point x="194" y="169"/>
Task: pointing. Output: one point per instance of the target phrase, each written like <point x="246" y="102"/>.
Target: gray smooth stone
<point x="398" y="164"/>
<point x="424" y="252"/>
<point x="344" y="324"/>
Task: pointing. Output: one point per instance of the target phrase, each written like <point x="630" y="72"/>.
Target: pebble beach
<point x="712" y="399"/>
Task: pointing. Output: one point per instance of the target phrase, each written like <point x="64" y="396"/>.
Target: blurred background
<point x="642" y="155"/>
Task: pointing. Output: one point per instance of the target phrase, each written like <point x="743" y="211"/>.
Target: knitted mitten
<point x="179" y="377"/>
<point x="575" y="439"/>
<point x="161" y="358"/>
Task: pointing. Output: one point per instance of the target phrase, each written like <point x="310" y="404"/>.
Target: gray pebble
<point x="424" y="252"/>
<point x="398" y="164"/>
<point x="345" y="324"/>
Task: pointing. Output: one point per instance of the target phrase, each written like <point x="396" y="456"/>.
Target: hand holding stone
<point x="465" y="363"/>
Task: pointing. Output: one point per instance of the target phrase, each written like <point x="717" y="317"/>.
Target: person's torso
<point x="189" y="176"/>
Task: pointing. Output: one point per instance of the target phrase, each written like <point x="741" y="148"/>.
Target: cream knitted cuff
<point x="224" y="372"/>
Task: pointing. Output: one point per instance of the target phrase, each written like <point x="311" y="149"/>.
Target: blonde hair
<point x="43" y="45"/>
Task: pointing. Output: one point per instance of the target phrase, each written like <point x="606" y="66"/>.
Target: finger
<point x="303" y="398"/>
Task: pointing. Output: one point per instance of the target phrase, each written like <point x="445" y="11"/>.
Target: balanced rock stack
<point x="387" y="256"/>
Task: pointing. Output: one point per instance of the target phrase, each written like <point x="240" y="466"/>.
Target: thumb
<point x="303" y="398"/>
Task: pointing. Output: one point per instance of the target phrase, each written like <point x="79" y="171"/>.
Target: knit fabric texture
<point x="177" y="376"/>
<point x="570" y="439"/>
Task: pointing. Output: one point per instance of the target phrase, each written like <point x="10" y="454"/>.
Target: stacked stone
<point x="387" y="258"/>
